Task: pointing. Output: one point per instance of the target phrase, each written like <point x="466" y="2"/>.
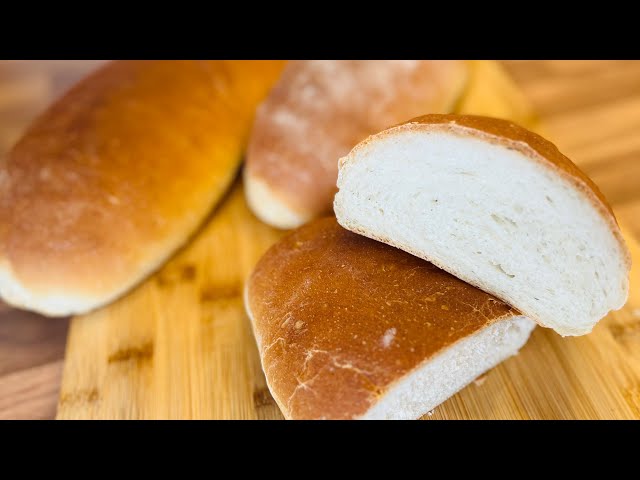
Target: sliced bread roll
<point x="117" y="174"/>
<point x="495" y="205"/>
<point x="318" y="111"/>
<point x="351" y="328"/>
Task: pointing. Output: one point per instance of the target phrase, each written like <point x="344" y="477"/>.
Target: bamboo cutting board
<point x="180" y="345"/>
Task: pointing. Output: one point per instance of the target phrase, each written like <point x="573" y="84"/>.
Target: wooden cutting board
<point x="180" y="345"/>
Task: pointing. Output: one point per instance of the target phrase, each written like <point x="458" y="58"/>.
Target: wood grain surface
<point x="590" y="109"/>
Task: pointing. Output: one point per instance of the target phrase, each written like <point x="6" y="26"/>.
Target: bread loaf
<point x="495" y="205"/>
<point x="318" y="111"/>
<point x="349" y="328"/>
<point x="117" y="174"/>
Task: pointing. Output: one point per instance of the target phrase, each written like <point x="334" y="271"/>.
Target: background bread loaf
<point x="117" y="174"/>
<point x="318" y="111"/>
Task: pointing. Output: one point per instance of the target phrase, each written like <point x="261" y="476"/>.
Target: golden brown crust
<point x="339" y="318"/>
<point x="319" y="110"/>
<point x="117" y="174"/>
<point x="513" y="136"/>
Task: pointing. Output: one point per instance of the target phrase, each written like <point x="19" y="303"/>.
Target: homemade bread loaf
<point x="117" y="174"/>
<point x="318" y="111"/>
<point x="348" y="327"/>
<point x="495" y="205"/>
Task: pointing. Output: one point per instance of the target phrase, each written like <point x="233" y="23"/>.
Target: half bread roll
<point x="495" y="205"/>
<point x="349" y="328"/>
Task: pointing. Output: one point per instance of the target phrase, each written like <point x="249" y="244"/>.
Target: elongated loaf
<point x="117" y="174"/>
<point x="495" y="205"/>
<point x="348" y="327"/>
<point x="318" y="111"/>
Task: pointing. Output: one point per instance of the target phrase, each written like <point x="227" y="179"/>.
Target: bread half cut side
<point x="351" y="328"/>
<point x="495" y="205"/>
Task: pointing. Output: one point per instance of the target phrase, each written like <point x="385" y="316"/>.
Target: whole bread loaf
<point x="318" y="111"/>
<point x="117" y="174"/>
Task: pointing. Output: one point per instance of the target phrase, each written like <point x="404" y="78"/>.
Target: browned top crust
<point x="319" y="110"/>
<point x="339" y="318"/>
<point x="119" y="172"/>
